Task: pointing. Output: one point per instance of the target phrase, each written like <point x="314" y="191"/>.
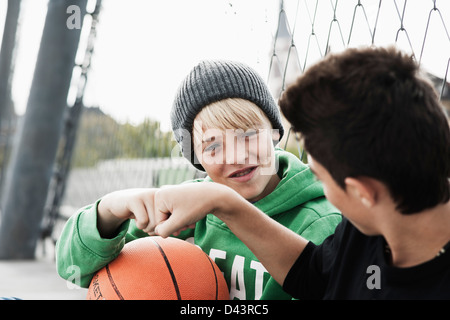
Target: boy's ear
<point x="276" y="135"/>
<point x="362" y="189"/>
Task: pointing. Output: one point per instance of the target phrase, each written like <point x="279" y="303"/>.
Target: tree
<point x="100" y="137"/>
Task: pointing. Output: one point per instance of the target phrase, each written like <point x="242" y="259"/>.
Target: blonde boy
<point x="227" y="124"/>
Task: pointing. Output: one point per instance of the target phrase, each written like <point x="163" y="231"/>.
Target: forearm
<point x="117" y="207"/>
<point x="276" y="247"/>
<point x="107" y="223"/>
<point x="80" y="250"/>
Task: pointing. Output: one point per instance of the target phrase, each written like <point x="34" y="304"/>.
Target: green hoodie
<point x="297" y="202"/>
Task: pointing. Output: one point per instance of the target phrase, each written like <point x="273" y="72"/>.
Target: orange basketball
<point x="154" y="268"/>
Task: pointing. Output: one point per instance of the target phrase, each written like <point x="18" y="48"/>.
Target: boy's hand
<point x="117" y="207"/>
<point x="186" y="204"/>
<point x="171" y="209"/>
<point x="181" y="206"/>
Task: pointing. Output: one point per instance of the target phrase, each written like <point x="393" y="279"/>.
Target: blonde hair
<point x="231" y="113"/>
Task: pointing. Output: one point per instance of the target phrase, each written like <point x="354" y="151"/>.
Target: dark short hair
<point x="372" y="112"/>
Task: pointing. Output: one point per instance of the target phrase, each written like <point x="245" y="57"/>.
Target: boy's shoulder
<point x="322" y="207"/>
<point x="289" y="160"/>
<point x="280" y="152"/>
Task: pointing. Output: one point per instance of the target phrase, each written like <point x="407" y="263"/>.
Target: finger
<point x="149" y="208"/>
<point x="140" y="214"/>
<point x="176" y="233"/>
<point x="166" y="218"/>
<point x="166" y="224"/>
<point x="172" y="224"/>
<point x="191" y="226"/>
<point x="162" y="209"/>
<point x="168" y="227"/>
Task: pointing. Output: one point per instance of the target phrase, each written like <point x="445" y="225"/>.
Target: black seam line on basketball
<point x="215" y="277"/>
<point x="174" y="279"/>
<point x="111" y="280"/>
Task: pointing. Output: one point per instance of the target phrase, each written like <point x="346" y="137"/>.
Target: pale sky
<point x="145" y="48"/>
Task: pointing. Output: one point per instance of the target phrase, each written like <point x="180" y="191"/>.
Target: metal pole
<point x="33" y="157"/>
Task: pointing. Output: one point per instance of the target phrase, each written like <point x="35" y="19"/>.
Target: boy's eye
<point x="212" y="147"/>
<point x="249" y="134"/>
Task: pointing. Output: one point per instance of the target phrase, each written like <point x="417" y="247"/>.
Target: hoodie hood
<point x="297" y="186"/>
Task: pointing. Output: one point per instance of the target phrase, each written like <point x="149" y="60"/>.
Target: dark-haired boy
<point x="379" y="141"/>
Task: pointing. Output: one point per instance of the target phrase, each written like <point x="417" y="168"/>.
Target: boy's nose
<point x="238" y="152"/>
<point x="242" y="153"/>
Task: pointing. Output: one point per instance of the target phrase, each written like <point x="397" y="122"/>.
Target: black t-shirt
<point x="351" y="265"/>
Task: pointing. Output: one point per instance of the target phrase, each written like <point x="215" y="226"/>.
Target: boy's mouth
<point x="243" y="174"/>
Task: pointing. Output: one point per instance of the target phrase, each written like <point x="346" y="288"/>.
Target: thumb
<point x="167" y="227"/>
<point x="166" y="222"/>
<point x="172" y="225"/>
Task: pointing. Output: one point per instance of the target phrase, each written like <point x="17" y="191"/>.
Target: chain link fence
<point x="304" y="32"/>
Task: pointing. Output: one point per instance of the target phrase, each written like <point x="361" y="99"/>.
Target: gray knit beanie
<point x="212" y="81"/>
